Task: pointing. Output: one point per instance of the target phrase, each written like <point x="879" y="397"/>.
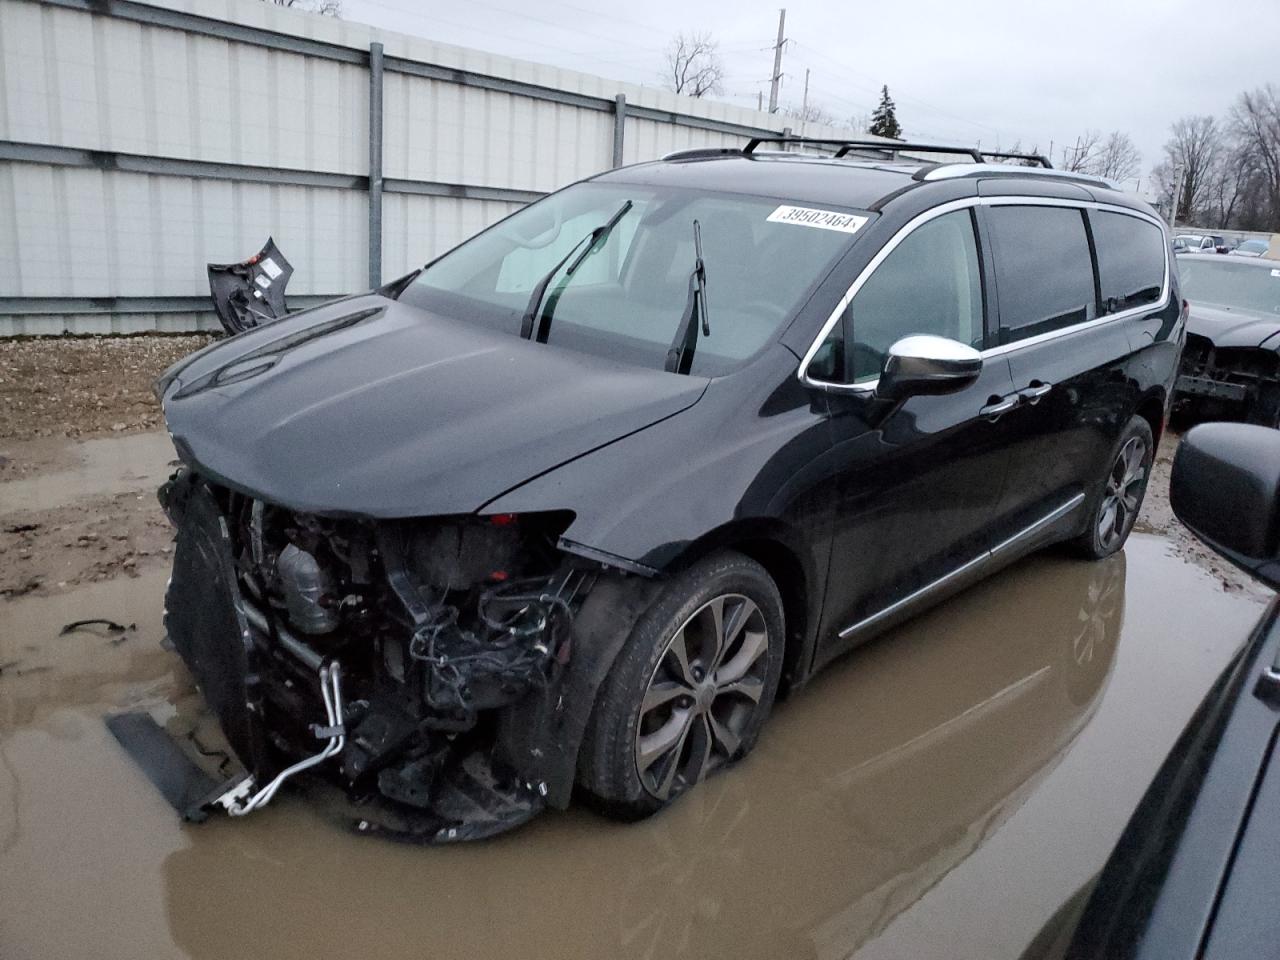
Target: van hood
<point x="1233" y="328"/>
<point x="370" y="407"/>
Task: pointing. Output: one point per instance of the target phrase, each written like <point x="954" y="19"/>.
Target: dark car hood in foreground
<point x="369" y="406"/>
<point x="1233" y="328"/>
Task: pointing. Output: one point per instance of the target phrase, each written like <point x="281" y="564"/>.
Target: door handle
<point x="999" y="407"/>
<point x="1033" y="393"/>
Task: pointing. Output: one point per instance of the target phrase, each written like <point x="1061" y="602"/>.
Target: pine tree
<point x="884" y="122"/>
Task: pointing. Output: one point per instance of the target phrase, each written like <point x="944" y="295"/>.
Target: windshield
<point x="626" y="299"/>
<point x="1253" y="246"/>
<point x="1234" y="285"/>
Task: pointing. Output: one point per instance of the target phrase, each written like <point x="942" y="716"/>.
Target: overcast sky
<point x="1000" y="71"/>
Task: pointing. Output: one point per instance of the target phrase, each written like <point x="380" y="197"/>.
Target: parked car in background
<point x="573" y="500"/>
<point x="1194" y="873"/>
<point x="1231" y="362"/>
<point x="1251" y="248"/>
<point x="1197" y="243"/>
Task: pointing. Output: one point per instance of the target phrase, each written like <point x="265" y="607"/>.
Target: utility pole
<point x="777" y="61"/>
<point x="804" y="105"/>
<point x="760" y="100"/>
<point x="1177" y="196"/>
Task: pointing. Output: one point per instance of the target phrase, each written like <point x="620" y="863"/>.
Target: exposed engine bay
<point x="1239" y="379"/>
<point x="415" y="663"/>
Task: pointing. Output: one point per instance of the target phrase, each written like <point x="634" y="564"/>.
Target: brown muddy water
<point x="938" y="793"/>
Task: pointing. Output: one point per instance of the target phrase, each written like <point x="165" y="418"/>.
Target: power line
<point x="906" y="98"/>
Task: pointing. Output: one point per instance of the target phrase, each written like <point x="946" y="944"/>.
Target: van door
<point x="1067" y="347"/>
<point x="917" y="483"/>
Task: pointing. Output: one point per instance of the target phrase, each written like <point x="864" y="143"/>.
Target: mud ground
<point x="82" y="511"/>
<point x="62" y="523"/>
<point x="938" y="793"/>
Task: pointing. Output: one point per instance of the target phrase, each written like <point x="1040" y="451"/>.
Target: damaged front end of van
<point x="346" y="605"/>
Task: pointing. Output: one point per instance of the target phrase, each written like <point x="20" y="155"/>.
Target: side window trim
<point x="1098" y="306"/>
<point x="994" y="350"/>
<point x="987" y="271"/>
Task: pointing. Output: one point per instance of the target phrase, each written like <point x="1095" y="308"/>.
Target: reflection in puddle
<point x="868" y="790"/>
<point x="903" y="758"/>
<point x="909" y="755"/>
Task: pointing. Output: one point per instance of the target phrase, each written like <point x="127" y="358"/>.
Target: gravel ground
<point x="81" y="386"/>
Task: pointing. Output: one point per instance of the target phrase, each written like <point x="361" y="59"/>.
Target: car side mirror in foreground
<point x="1226" y="488"/>
<point x="926" y="364"/>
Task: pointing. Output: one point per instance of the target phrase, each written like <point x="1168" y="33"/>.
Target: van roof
<point x="847" y="181"/>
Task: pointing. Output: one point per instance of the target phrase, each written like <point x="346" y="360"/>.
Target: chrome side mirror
<point x="1225" y="487"/>
<point x="925" y="364"/>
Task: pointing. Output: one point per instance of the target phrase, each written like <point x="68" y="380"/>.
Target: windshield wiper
<point x="680" y="354"/>
<point x="594" y="240"/>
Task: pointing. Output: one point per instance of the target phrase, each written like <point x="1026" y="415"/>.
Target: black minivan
<point x="569" y="504"/>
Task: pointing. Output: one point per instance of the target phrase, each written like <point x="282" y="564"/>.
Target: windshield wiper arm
<point x="680" y="354"/>
<point x="595" y="240"/>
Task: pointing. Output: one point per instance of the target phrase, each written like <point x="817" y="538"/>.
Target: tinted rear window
<point x="1044" y="272"/>
<point x="1130" y="260"/>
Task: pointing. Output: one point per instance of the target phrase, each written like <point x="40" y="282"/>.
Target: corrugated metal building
<point x="139" y="142"/>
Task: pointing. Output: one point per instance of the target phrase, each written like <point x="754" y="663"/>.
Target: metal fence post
<point x="375" y="165"/>
<point x="619" y="126"/>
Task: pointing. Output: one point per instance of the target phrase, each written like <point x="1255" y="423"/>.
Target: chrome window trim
<point x="955" y="171"/>
<point x="802" y="373"/>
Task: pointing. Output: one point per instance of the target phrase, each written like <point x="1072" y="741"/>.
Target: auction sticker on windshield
<point x="822" y="219"/>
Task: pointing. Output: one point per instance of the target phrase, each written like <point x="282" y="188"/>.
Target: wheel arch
<point x="774" y="546"/>
<point x="1152" y="409"/>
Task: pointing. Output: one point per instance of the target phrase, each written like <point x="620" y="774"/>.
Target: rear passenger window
<point x="1044" y="272"/>
<point x="929" y="283"/>
<point x="1130" y="260"/>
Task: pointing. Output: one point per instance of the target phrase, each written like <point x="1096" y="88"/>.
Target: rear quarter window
<point x="1043" y="269"/>
<point x="1130" y="260"/>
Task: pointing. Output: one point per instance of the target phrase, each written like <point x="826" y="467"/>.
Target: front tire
<point x="1114" y="508"/>
<point x="690" y="690"/>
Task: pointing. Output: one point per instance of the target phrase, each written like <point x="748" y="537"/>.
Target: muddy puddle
<point x="98" y="467"/>
<point x="939" y="793"/>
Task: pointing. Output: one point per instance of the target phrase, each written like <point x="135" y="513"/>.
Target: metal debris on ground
<point x="109" y="625"/>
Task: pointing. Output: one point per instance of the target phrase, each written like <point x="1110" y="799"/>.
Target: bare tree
<point x="1229" y="186"/>
<point x="809" y="113"/>
<point x="694" y="67"/>
<point x="1117" y="158"/>
<point x="1255" y="121"/>
<point x="326" y="8"/>
<point x="1017" y="148"/>
<point x="1081" y="157"/>
<point x="1190" y="154"/>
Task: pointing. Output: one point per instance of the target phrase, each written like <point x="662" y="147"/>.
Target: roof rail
<point x="950" y="171"/>
<point x="843" y="146"/>
<point x="1039" y="158"/>
<point x="703" y="153"/>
